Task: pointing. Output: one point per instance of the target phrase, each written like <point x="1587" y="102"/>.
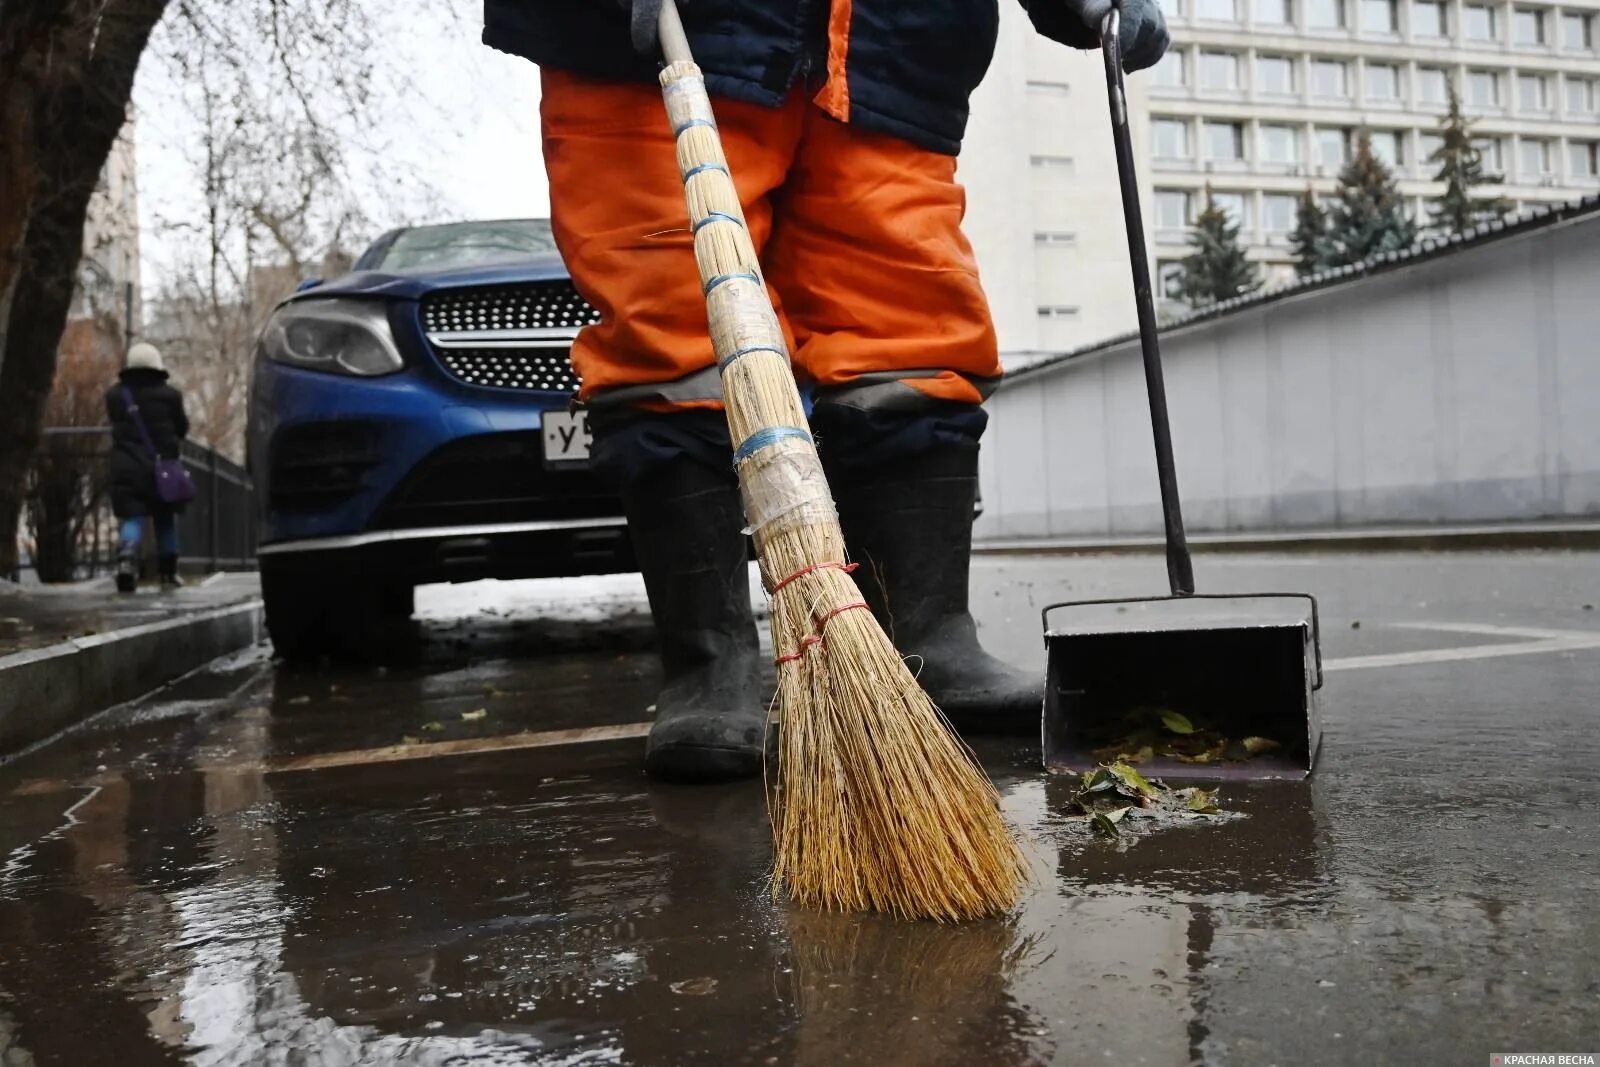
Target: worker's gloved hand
<point x="646" y="14"/>
<point x="1143" y="38"/>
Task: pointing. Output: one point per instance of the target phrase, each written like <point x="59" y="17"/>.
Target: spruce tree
<point x="1460" y="168"/>
<point x="1217" y="269"/>
<point x="1368" y="217"/>
<point x="1309" y="241"/>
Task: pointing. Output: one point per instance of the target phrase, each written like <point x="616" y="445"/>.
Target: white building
<point x="1258" y="99"/>
<point x="110" y="260"/>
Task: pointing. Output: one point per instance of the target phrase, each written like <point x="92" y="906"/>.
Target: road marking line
<point x="461" y="747"/>
<point x="1452" y="655"/>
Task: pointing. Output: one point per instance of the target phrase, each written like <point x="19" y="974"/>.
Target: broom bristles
<point x="877" y="805"/>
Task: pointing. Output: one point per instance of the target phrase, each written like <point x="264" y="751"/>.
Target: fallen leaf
<point x="1257" y="745"/>
<point x="300" y="700"/>
<point x="694" y="987"/>
<point x="409" y="740"/>
<point x="1132" y="779"/>
<point x="1103" y="824"/>
<point x="1178" y="724"/>
<point x="433" y="727"/>
<point x="474" y="715"/>
<point x="1203" y="801"/>
<point x="490" y="691"/>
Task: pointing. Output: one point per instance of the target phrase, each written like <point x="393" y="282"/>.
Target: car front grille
<point x="509" y="336"/>
<point x="549" y="369"/>
<point x="526" y="306"/>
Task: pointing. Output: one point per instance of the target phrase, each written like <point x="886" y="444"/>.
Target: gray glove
<point x="646" y="16"/>
<point x="1143" y="38"/>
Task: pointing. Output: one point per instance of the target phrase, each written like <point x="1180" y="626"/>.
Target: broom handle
<point x="1180" y="569"/>
<point x="674" y="42"/>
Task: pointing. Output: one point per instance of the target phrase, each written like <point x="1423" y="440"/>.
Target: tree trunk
<point x="70" y="66"/>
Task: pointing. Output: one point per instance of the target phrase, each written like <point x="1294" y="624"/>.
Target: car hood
<point x="412" y="285"/>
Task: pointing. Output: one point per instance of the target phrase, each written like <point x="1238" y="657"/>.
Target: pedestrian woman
<point x="147" y="425"/>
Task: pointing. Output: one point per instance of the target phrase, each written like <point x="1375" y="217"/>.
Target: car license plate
<point x="566" y="437"/>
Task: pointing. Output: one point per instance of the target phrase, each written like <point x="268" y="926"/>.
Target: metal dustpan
<point x="1237" y="666"/>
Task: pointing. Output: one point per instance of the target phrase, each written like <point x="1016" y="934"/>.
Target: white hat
<point x="145" y="356"/>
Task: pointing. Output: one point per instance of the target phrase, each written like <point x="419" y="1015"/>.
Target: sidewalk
<point x="69" y="651"/>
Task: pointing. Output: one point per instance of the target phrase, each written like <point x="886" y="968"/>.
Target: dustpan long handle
<point x="1180" y="570"/>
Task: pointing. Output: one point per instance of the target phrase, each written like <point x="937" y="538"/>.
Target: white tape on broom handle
<point x="781" y="476"/>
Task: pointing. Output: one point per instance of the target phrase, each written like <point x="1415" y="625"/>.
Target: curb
<point x="1376" y="539"/>
<point x="46" y="690"/>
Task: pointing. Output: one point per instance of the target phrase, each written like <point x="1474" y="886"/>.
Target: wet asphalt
<point x="352" y="865"/>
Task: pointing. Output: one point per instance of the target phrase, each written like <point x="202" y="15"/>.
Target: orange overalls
<point x="859" y="234"/>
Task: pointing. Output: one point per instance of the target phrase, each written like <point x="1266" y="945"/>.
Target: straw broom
<point x="877" y="806"/>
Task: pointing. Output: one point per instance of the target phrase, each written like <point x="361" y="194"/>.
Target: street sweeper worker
<point x="841" y="121"/>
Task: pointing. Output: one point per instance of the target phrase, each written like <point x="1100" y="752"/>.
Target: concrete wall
<point x="1460" y="388"/>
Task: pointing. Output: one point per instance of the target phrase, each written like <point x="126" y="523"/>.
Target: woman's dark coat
<point x="133" y="474"/>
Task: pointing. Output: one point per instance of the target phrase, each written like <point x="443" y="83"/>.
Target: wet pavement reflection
<point x="168" y="894"/>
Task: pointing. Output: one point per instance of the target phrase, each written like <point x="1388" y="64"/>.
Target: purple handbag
<point x="173" y="484"/>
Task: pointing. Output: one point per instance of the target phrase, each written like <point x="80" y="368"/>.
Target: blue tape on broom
<point x="719" y="279"/>
<point x="692" y="123"/>
<point x="692" y="171"/>
<point x="717" y="216"/>
<point x="722" y="364"/>
<point x="765" y="438"/>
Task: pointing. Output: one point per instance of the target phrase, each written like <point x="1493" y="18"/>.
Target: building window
<point x="1491" y="150"/>
<point x="1389" y="146"/>
<point x="1274" y="12"/>
<point x="1170" y="138"/>
<point x="1533" y="158"/>
<point x="1054" y="237"/>
<point x="1428" y="19"/>
<point x="1583" y="159"/>
<point x="1483" y="88"/>
<point x="1218" y="10"/>
<point x="1580" y="96"/>
<point x="1275" y="74"/>
<point x="1171" y="8"/>
<point x="1379" y="16"/>
<point x="1169" y="275"/>
<point x="1172" y="71"/>
<point x="1383" y="82"/>
<point x="1278" y="211"/>
<point x="1280" y="144"/>
<point x="1577" y="31"/>
<point x="1051" y="162"/>
<point x="1330" y="78"/>
<point x="1172" y="209"/>
<point x="1234" y="205"/>
<point x="1432" y="85"/>
<point x="1333" y="147"/>
<point x="1058" y="311"/>
<point x="1049" y="87"/>
<point x="1527" y="26"/>
<point x="1219" y="70"/>
<point x="1479" y="22"/>
<point x="1325" y="14"/>
<point x="1224" y="141"/>
<point x="1533" y="92"/>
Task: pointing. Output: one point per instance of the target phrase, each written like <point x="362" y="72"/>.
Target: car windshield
<point x="468" y="244"/>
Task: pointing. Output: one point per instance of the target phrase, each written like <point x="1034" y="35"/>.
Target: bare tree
<point x="280" y="87"/>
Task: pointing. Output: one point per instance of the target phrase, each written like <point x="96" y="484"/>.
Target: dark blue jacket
<point x="910" y="65"/>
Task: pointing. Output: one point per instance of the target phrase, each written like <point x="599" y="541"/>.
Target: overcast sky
<point x="475" y="140"/>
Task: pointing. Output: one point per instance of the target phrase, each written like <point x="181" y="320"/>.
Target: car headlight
<point x="338" y="336"/>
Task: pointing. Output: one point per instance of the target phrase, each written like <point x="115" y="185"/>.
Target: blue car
<point x="414" y="422"/>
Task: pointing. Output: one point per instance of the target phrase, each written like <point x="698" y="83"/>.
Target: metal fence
<point x="70" y="506"/>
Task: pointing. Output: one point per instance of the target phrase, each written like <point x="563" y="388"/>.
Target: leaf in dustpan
<point x="1203" y="801"/>
<point x="1178" y="724"/>
<point x="1255" y="746"/>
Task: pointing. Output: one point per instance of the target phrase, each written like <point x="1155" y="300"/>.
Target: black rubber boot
<point x="910" y="528"/>
<point x="169" y="573"/>
<point x="686" y="522"/>
<point x="127" y="570"/>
